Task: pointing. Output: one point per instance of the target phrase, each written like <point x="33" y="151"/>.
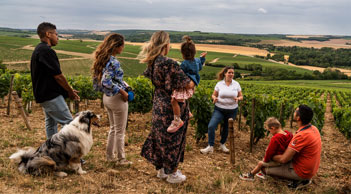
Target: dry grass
<point x="205" y="173"/>
<point x="242" y="50"/>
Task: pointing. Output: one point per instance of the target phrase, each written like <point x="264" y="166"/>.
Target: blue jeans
<point x="56" y="111"/>
<point x="217" y="116"/>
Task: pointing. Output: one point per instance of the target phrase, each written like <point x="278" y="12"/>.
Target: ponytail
<point x="187" y="48"/>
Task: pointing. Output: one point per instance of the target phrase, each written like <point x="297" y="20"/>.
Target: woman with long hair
<point x="164" y="150"/>
<point x="225" y="96"/>
<point x="108" y="78"/>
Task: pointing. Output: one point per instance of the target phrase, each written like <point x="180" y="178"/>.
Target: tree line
<point x="324" y="57"/>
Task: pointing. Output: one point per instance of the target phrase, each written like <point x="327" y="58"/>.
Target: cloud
<point x="230" y="16"/>
<point x="262" y="10"/>
<point x="148" y="1"/>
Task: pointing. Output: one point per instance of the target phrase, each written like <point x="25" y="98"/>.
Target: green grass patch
<point x="344" y="85"/>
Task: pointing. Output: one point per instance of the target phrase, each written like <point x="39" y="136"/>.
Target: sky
<point x="301" y="17"/>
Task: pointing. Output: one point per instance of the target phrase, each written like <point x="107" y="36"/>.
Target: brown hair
<point x="188" y="48"/>
<point x="272" y="122"/>
<point x="154" y="47"/>
<point x="104" y="51"/>
<point x="220" y="75"/>
<point x="43" y="28"/>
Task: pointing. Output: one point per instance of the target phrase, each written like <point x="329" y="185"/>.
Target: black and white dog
<point x="62" y="151"/>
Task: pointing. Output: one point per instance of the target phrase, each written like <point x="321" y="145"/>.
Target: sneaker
<point x="207" y="150"/>
<point x="261" y="175"/>
<point x="176" y="177"/>
<point x="124" y="162"/>
<point x="161" y="174"/>
<point x="111" y="159"/>
<point x="223" y="148"/>
<point x="247" y="177"/>
<point x="299" y="184"/>
<point x="175" y="125"/>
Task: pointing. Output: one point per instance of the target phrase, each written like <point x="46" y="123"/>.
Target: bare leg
<point x="257" y="168"/>
<point x="175" y="107"/>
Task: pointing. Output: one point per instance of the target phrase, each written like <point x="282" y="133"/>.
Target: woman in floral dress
<point x="164" y="150"/>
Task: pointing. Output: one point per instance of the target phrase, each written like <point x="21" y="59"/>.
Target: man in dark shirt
<point x="50" y="86"/>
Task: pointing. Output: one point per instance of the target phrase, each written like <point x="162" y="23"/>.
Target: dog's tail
<point x="29" y="162"/>
<point x="20" y="154"/>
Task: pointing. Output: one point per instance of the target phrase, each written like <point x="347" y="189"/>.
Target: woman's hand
<point x="214" y="99"/>
<point x="214" y="96"/>
<point x="124" y="95"/>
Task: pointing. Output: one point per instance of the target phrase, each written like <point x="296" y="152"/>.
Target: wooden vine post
<point x="10" y="92"/>
<point x="20" y="107"/>
<point x="76" y="106"/>
<point x="231" y="141"/>
<point x="239" y="124"/>
<point x="252" y="123"/>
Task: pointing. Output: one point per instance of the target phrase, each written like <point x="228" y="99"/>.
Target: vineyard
<point x="215" y="171"/>
<point x="260" y="102"/>
<point x="330" y="101"/>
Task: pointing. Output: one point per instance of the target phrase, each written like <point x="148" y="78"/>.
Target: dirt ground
<point x="205" y="173"/>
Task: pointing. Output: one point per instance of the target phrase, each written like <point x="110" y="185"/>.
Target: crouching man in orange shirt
<point x="302" y="157"/>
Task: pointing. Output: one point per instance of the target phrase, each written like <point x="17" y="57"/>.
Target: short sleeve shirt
<point x="226" y="94"/>
<point x="308" y="145"/>
<point x="44" y="66"/>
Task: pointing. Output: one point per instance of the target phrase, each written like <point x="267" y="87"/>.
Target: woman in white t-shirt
<point x="225" y="96"/>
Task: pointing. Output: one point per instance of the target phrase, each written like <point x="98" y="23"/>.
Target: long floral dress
<point x="163" y="149"/>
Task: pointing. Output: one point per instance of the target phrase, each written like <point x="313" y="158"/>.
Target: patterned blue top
<point x="112" y="78"/>
<point x="192" y="67"/>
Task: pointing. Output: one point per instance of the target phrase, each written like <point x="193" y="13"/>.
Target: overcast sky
<point x="232" y="16"/>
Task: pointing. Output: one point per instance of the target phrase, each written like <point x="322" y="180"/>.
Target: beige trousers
<point x="284" y="171"/>
<point x="117" y="110"/>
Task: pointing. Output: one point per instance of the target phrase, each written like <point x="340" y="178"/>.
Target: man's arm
<point x="286" y="157"/>
<point x="61" y="80"/>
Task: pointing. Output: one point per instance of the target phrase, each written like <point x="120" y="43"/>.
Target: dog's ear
<point x="91" y="114"/>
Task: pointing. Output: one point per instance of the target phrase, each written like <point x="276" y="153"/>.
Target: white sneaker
<point x="161" y="174"/>
<point x="208" y="149"/>
<point x="223" y="148"/>
<point x="176" y="177"/>
<point x="124" y="162"/>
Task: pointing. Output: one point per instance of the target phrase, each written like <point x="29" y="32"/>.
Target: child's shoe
<point x="247" y="177"/>
<point x="261" y="175"/>
<point x="175" y="125"/>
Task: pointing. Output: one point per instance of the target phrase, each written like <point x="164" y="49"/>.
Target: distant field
<point x="319" y="84"/>
<point x="333" y="43"/>
<point x="11" y="51"/>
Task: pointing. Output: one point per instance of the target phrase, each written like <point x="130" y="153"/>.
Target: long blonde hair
<point x="104" y="51"/>
<point x="154" y="47"/>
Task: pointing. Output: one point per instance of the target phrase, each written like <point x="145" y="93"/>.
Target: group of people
<point x="174" y="84"/>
